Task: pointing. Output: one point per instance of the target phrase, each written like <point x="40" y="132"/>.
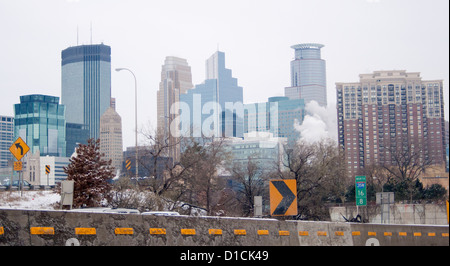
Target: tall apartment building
<point x="40" y="121"/>
<point x="308" y="74"/>
<point x="85" y="87"/>
<point x="386" y="110"/>
<point x="6" y="139"/>
<point x="216" y="105"/>
<point x="176" y="79"/>
<point x="111" y="137"/>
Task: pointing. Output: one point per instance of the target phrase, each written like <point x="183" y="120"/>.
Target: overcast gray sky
<point x="360" y="36"/>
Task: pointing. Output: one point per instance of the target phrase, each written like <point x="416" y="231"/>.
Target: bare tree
<point x="201" y="179"/>
<point x="251" y="178"/>
<point x="165" y="172"/>
<point x="319" y="171"/>
<point x="405" y="163"/>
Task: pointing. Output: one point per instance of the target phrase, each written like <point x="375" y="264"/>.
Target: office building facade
<point x="34" y="170"/>
<point x="176" y="79"/>
<point x="111" y="137"/>
<point x="278" y="116"/>
<point x="388" y="110"/>
<point x="6" y="139"/>
<point x="216" y="105"/>
<point x="308" y="74"/>
<point x="265" y="150"/>
<point x="86" y="85"/>
<point x="40" y="121"/>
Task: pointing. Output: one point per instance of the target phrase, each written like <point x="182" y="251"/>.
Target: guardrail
<point x="24" y="227"/>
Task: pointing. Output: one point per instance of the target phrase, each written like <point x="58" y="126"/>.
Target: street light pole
<point x="135" y="117"/>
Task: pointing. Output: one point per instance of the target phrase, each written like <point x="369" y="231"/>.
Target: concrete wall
<point x="59" y="228"/>
<point x="398" y="213"/>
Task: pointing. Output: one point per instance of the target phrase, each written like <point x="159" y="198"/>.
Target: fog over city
<point x="360" y="36"/>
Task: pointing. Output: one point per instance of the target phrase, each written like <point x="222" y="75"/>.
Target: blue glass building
<point x="277" y="116"/>
<point x="86" y="87"/>
<point x="215" y="106"/>
<point x="40" y="121"/>
<point x="308" y="74"/>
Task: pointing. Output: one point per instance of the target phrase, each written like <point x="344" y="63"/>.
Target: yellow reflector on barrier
<point x="303" y="233"/>
<point x="123" y="231"/>
<point x="283" y="233"/>
<point x="321" y="233"/>
<point x="240" y="232"/>
<point x="188" y="231"/>
<point x="85" y="231"/>
<point x="42" y="230"/>
<point x="157" y="231"/>
<point x="263" y="232"/>
<point x="215" y="231"/>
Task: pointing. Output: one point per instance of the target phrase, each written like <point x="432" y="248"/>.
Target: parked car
<point x="161" y="213"/>
<point x="106" y="210"/>
<point x="16" y="183"/>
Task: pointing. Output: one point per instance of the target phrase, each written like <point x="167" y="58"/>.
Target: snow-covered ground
<point x="35" y="200"/>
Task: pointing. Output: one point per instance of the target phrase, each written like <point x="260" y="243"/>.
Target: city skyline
<point x="358" y="35"/>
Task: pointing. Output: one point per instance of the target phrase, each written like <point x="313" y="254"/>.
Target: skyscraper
<point x="6" y="139"/>
<point x="111" y="137"/>
<point x="308" y="74"/>
<point x="86" y="85"/>
<point x="389" y="110"/>
<point x="176" y="79"/>
<point x="216" y="105"/>
<point x="277" y="116"/>
<point x="40" y="121"/>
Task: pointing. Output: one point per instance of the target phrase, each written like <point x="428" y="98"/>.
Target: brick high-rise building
<point x="386" y="110"/>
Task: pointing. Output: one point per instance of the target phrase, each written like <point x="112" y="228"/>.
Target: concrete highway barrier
<point x="61" y="228"/>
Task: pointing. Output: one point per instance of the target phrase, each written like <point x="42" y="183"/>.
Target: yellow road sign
<point x="19" y="148"/>
<point x="47" y="169"/>
<point x="18" y="166"/>
<point x="128" y="164"/>
<point x="283" y="197"/>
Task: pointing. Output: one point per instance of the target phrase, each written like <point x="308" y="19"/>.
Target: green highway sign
<point x="361" y="190"/>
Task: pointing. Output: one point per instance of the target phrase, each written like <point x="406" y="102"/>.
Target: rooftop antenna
<point x="77" y="35"/>
<point x="91" y="32"/>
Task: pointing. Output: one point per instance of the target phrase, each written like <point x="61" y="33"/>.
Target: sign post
<point x="47" y="172"/>
<point x="360" y="191"/>
<point x="19" y="148"/>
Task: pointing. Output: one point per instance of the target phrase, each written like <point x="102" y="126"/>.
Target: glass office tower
<point x="278" y="116"/>
<point x="216" y="105"/>
<point x="40" y="121"/>
<point x="86" y="85"/>
<point x="308" y="74"/>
